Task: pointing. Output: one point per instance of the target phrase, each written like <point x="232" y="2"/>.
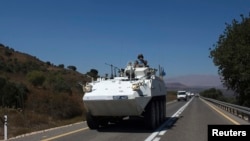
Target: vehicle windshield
<point x="181" y="93"/>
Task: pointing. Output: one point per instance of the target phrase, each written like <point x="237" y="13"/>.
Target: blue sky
<point x="175" y="34"/>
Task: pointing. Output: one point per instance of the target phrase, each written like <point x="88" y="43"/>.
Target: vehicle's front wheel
<point x="150" y="116"/>
<point x="92" y="122"/>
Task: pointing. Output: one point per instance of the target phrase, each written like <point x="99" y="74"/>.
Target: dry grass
<point x="20" y="122"/>
<point x="171" y="95"/>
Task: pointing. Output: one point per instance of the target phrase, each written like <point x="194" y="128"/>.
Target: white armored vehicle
<point x="136" y="92"/>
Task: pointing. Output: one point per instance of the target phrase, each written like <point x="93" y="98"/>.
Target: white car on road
<point x="181" y="95"/>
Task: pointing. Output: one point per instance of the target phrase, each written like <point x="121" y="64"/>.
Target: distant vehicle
<point x="182" y="95"/>
<point x="188" y="94"/>
<point x="136" y="92"/>
<point x="197" y="95"/>
<point x="192" y="94"/>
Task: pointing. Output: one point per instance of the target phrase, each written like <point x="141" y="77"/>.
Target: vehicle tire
<point x="150" y="118"/>
<point x="92" y="122"/>
<point x="103" y="122"/>
<point x="162" y="110"/>
<point x="157" y="112"/>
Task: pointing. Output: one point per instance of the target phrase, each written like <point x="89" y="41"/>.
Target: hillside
<point x="174" y="86"/>
<point x="197" y="83"/>
<point x="36" y="94"/>
<point x="197" y="80"/>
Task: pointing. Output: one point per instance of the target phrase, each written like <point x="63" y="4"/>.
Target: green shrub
<point x="12" y="94"/>
<point x="36" y="78"/>
<point x="61" y="65"/>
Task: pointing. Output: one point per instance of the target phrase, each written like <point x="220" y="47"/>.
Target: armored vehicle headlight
<point x="135" y="87"/>
<point x="87" y="88"/>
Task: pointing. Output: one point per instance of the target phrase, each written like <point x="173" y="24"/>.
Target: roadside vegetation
<point x="171" y="95"/>
<point x="231" y="54"/>
<point x="37" y="95"/>
<point x="218" y="95"/>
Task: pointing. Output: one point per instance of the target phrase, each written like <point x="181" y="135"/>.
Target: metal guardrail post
<point x="5" y="127"/>
<point x="4" y="121"/>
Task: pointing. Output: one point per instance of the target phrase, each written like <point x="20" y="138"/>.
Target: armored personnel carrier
<point x="136" y="92"/>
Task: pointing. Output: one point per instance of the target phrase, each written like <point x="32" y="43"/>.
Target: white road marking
<point x="157" y="139"/>
<point x="165" y="126"/>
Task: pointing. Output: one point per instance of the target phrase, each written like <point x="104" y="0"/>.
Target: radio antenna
<point x="111" y="66"/>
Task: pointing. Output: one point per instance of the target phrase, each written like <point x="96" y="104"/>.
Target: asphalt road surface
<point x="185" y="121"/>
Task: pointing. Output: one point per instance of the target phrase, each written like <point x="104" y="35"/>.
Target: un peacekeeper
<point x="141" y="62"/>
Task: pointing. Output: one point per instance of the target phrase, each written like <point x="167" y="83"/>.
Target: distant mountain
<point x="196" y="81"/>
<point x="176" y="86"/>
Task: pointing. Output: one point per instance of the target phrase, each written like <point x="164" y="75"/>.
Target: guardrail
<point x="239" y="111"/>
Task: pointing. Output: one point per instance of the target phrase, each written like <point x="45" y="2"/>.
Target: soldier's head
<point x="140" y="56"/>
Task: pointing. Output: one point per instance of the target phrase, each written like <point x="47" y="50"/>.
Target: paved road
<point x="184" y="121"/>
